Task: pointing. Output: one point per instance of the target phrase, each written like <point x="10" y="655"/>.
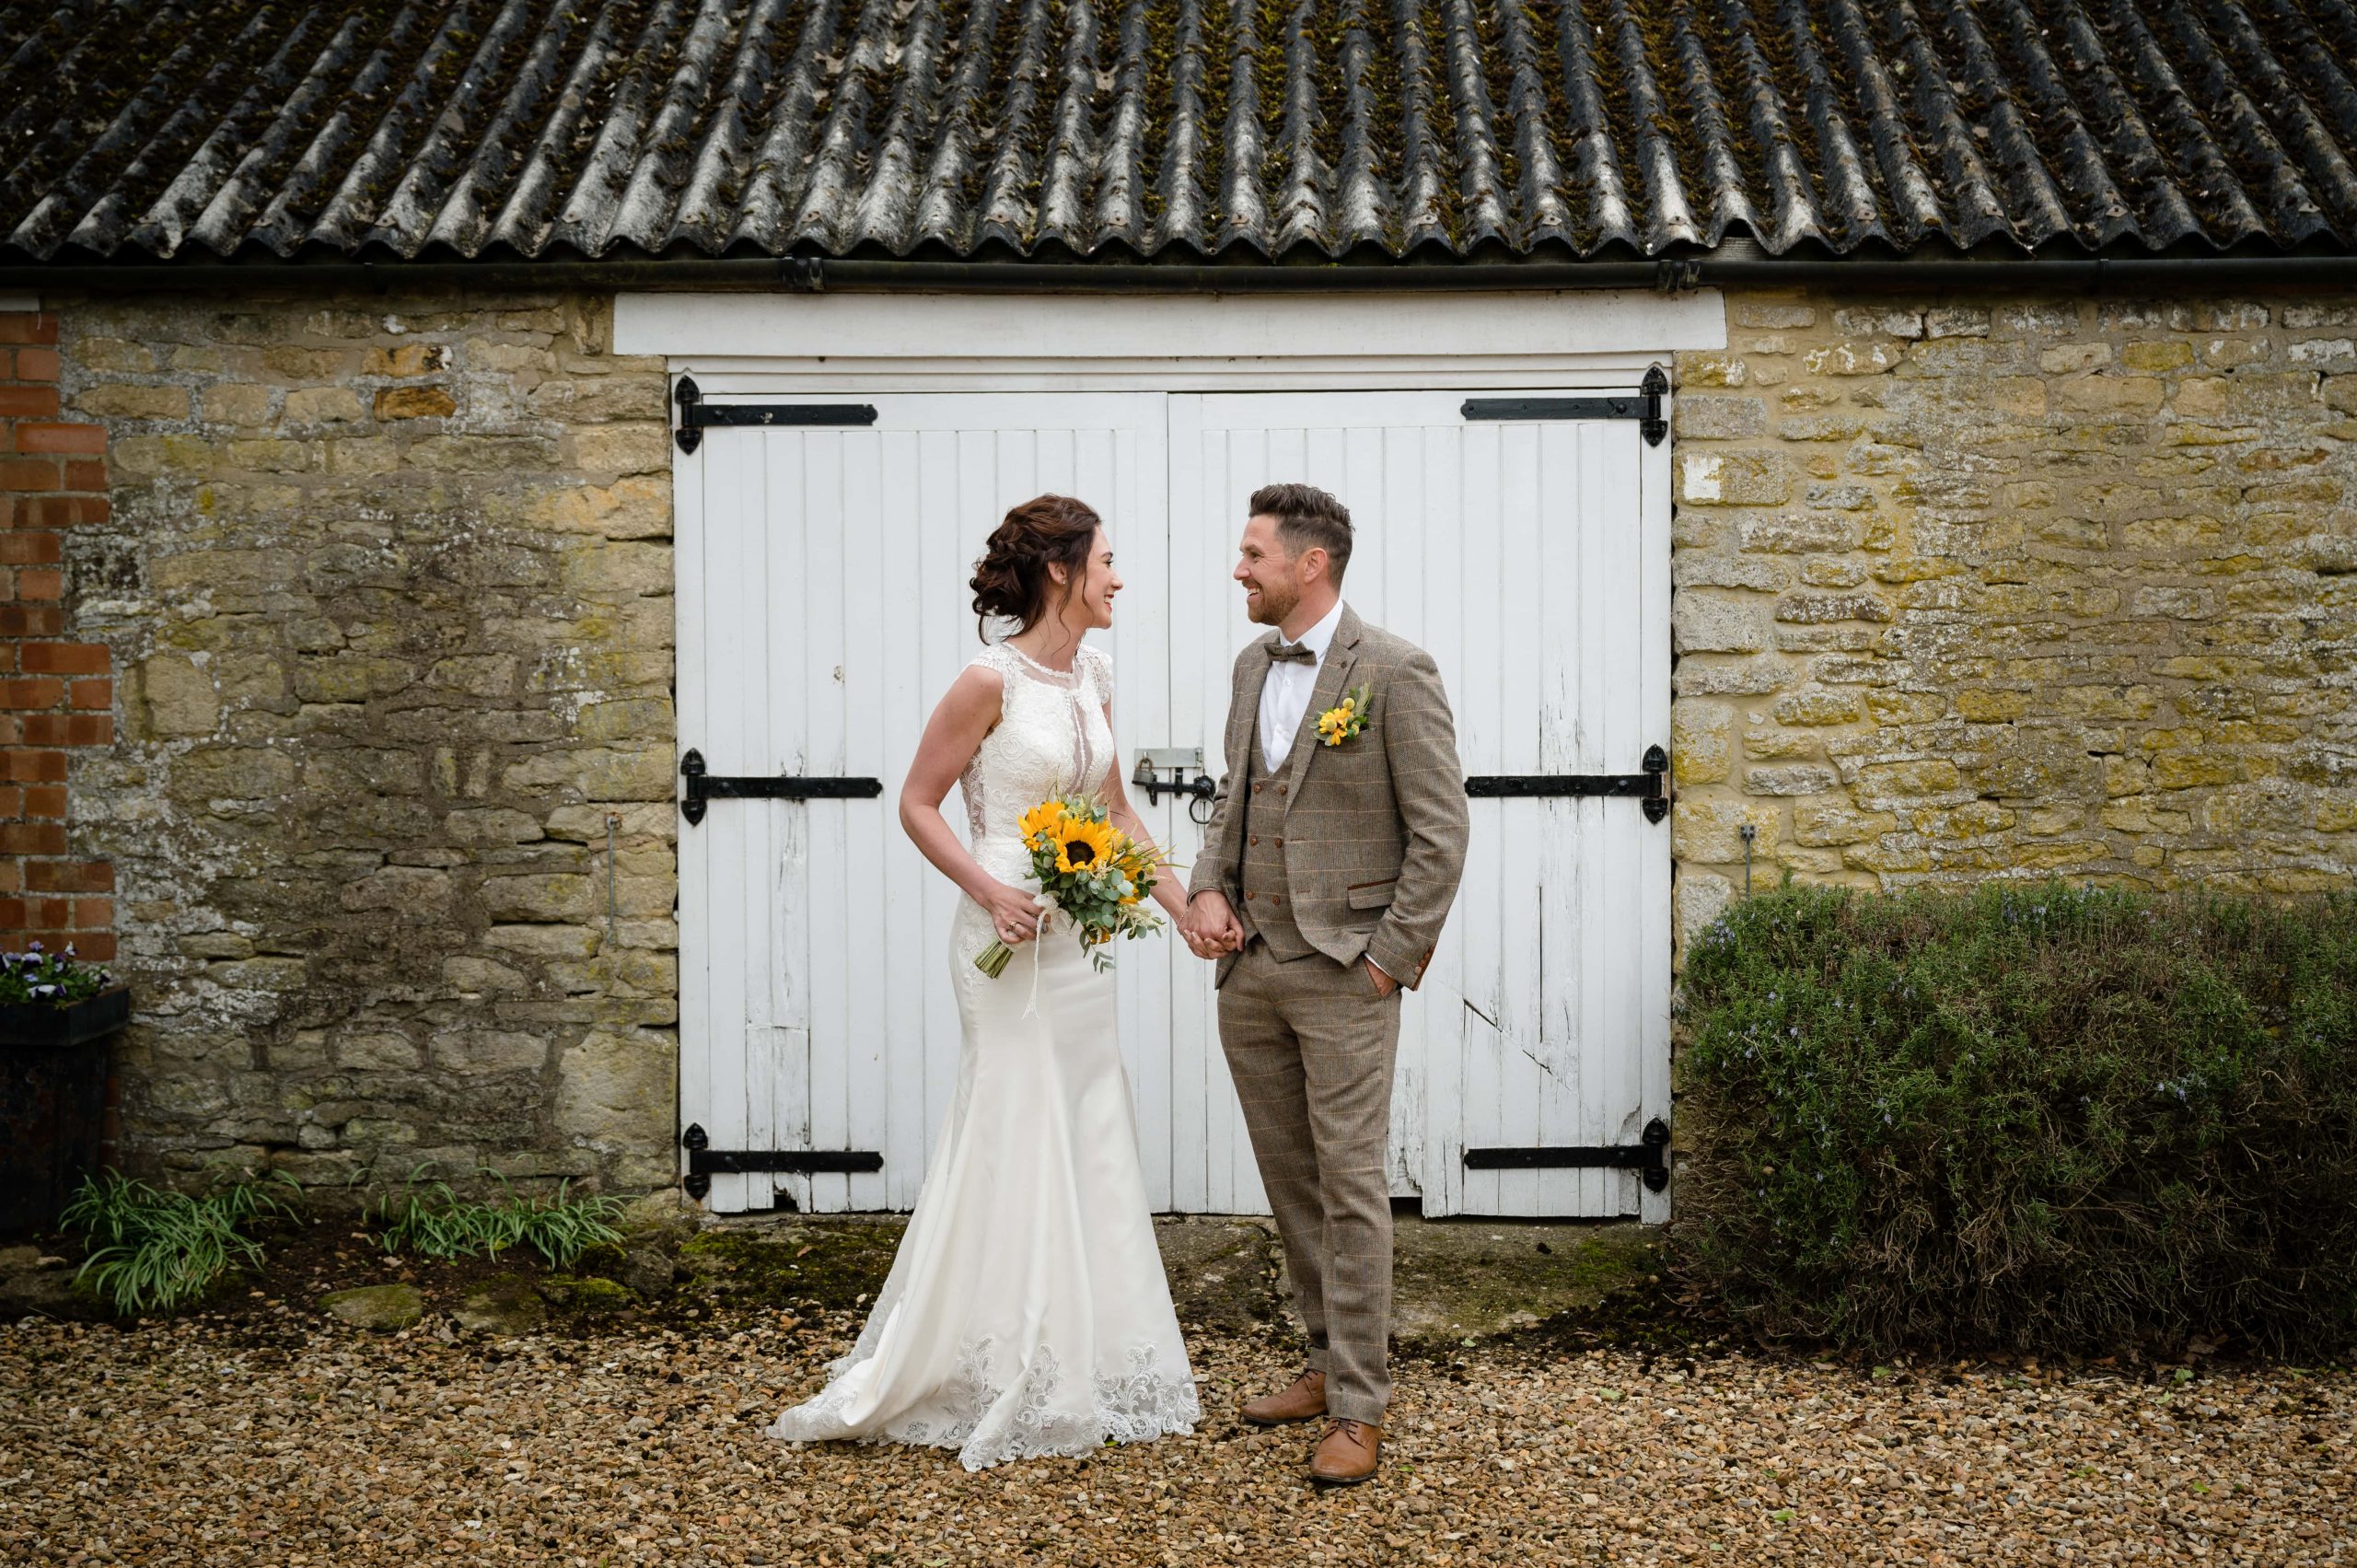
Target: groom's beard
<point x="1268" y="609"/>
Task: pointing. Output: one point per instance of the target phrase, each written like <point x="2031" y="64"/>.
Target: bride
<point x="1026" y="1311"/>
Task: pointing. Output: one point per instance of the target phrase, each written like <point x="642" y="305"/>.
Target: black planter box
<point x="52" y="1101"/>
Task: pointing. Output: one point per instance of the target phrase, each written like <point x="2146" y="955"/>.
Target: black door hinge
<point x="1649" y="1158"/>
<point x="1645" y="408"/>
<point x="1646" y="787"/>
<point x="697" y="415"/>
<point x="704" y="1162"/>
<point x="703" y="786"/>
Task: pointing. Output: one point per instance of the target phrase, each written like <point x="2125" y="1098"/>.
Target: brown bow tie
<point x="1282" y="652"/>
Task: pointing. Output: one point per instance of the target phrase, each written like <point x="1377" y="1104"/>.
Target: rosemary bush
<point x="155" y="1251"/>
<point x="2050" y="1119"/>
<point x="429" y="1219"/>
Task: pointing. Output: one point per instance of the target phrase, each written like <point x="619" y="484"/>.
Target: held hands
<point x="1209" y="926"/>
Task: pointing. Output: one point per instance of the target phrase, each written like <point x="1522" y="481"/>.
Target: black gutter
<point x="809" y="275"/>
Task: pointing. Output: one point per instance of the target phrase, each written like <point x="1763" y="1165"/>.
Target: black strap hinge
<point x="706" y="1162"/>
<point x="1649" y="1158"/>
<point x="1645" y="408"/>
<point x="697" y="415"/>
<point x="703" y="786"/>
<point x="1646" y="787"/>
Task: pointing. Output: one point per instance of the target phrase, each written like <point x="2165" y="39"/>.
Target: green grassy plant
<point x="2045" y="1117"/>
<point x="155" y="1251"/>
<point x="428" y="1219"/>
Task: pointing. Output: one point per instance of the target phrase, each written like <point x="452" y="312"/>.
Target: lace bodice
<point x="1051" y="739"/>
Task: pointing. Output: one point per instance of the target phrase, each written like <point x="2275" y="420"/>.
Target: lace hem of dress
<point x="1140" y="1403"/>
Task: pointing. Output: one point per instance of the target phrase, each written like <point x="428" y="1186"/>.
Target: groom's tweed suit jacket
<point x="1374" y="828"/>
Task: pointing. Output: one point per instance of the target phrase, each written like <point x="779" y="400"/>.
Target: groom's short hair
<point x="1307" y="519"/>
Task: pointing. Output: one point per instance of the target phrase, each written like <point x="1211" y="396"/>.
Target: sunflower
<point x="1082" y="845"/>
<point x="1041" y="822"/>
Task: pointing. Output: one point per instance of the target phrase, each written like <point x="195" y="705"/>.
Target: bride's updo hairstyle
<point x="1011" y="580"/>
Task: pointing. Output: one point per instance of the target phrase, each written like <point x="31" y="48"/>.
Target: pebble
<point x="312" y="1443"/>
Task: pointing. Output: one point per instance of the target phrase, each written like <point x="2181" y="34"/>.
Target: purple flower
<point x="35" y="947"/>
<point x="69" y="949"/>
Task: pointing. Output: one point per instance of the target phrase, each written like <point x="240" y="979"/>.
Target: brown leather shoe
<point x="1347" y="1454"/>
<point x="1304" y="1400"/>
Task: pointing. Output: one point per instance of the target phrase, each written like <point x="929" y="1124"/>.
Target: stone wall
<point x="387" y="583"/>
<point x="1990" y="586"/>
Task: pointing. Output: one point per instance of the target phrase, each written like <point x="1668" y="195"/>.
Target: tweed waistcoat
<point x="1268" y="894"/>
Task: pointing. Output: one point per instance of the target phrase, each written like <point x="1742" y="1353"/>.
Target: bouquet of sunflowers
<point x="1092" y="871"/>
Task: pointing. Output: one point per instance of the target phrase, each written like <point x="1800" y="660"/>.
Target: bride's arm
<point x="967" y="713"/>
<point x="1168" y="888"/>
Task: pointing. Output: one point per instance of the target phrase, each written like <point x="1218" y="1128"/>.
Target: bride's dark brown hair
<point x="1010" y="581"/>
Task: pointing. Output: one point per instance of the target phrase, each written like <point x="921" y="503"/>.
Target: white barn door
<point x="1530" y="557"/>
<point x="823" y="608"/>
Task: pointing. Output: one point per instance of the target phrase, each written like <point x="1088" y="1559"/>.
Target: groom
<point x="1326" y="872"/>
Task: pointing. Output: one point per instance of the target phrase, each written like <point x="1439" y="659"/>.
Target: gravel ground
<point x="306" y="1443"/>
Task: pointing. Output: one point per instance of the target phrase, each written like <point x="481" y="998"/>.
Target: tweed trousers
<point x="1311" y="1047"/>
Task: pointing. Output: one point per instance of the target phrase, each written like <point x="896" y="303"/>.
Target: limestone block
<point x="530" y="898"/>
<point x="1702" y="622"/>
<point x="322" y="405"/>
<point x="1702" y="741"/>
<point x="1805" y="779"/>
<point x="1702" y="897"/>
<point x="1813" y="609"/>
<point x="1818" y="705"/>
<point x="1731" y="479"/>
<point x="617" y="1089"/>
<point x="237" y="402"/>
<point x="1832" y="823"/>
<point x="622" y="448"/>
<point x="474" y="976"/>
<point x="408" y="891"/>
<point x="1705" y="830"/>
<point x="1721" y="418"/>
<point x="1711" y="676"/>
<point x="175" y="698"/>
<point x="543" y="941"/>
<point x="595" y="773"/>
<point x="488" y="1051"/>
<point x="415" y="402"/>
<point x="376" y="1050"/>
<point x="490" y="825"/>
<point x="127" y="400"/>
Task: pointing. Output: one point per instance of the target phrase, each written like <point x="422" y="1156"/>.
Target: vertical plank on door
<point x="1567" y="698"/>
<point x="1486" y="749"/>
<point x="734" y="640"/>
<point x="893" y="690"/>
<point x="1198" y="653"/>
<point x="1648" y="477"/>
<point x="691" y="610"/>
<point x="1516" y="678"/>
<point x="787" y="874"/>
<point x="824" y="638"/>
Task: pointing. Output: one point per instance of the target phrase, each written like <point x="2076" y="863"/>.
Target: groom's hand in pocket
<point x="1384" y="984"/>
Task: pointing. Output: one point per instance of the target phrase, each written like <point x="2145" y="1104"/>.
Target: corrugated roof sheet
<point x="1130" y="130"/>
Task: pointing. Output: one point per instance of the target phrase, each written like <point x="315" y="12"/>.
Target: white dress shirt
<point x="1285" y="693"/>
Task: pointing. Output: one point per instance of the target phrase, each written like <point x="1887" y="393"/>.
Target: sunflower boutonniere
<point x="1342" y="722"/>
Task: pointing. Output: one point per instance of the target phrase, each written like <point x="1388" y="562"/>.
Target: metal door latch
<point x="1178" y="759"/>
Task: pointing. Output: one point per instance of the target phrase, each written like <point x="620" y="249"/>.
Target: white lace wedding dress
<point x="1026" y="1311"/>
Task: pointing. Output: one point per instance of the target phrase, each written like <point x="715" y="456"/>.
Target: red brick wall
<point x="56" y="693"/>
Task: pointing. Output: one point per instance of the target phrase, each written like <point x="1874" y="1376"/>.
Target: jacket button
<point x="1256" y="839"/>
<point x="1256" y="789"/>
<point x="1276" y="898"/>
<point x="1281" y="789"/>
<point x="1281" y="843"/>
<point x="1249" y="897"/>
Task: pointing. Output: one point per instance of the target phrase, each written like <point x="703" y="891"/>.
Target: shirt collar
<point x="1320" y="637"/>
